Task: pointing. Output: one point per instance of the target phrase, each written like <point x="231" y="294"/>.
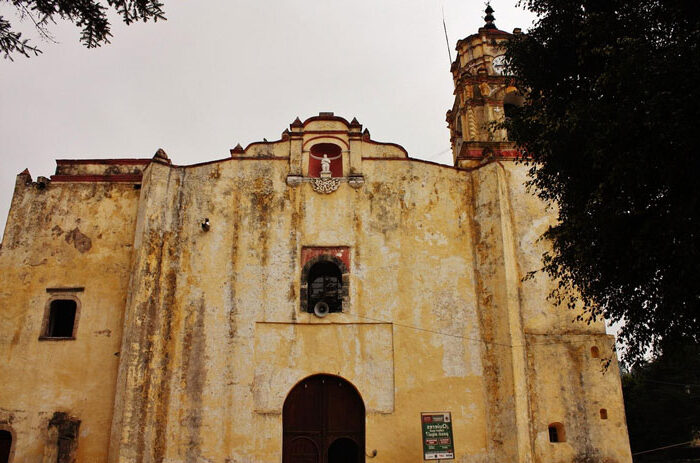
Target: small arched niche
<point x="557" y="433"/>
<point x="332" y="152"/>
<point x="595" y="352"/>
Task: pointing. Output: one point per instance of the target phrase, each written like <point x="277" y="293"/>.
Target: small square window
<point x="60" y="317"/>
<point x="556" y="432"/>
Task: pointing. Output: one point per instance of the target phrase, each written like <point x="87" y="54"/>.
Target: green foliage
<point x="90" y="15"/>
<point x="610" y="126"/>
<point x="662" y="403"/>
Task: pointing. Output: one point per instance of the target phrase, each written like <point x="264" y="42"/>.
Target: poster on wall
<point x="437" y="436"/>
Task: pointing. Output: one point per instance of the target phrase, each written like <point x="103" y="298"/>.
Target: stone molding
<point x="326" y="185"/>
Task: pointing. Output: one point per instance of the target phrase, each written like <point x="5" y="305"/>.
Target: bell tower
<point x="483" y="96"/>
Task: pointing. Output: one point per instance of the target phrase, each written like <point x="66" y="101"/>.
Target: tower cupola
<point x="482" y="91"/>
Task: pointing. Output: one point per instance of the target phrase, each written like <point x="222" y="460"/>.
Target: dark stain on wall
<point x="80" y="241"/>
<point x="66" y="429"/>
<point x="194" y="377"/>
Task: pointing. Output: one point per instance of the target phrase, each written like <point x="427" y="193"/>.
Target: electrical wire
<point x="442" y="333"/>
<point x="662" y="448"/>
<point x="433" y="156"/>
<point x="672" y="384"/>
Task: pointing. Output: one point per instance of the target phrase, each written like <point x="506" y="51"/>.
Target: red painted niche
<point x="334" y="153"/>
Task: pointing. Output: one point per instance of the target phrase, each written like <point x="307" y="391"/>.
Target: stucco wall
<point x="194" y="337"/>
<point x="233" y="298"/>
<point x="63" y="236"/>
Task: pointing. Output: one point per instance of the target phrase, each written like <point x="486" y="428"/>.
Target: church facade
<point x="305" y="300"/>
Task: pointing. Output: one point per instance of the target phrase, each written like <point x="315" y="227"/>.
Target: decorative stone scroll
<point x="325" y="185"/>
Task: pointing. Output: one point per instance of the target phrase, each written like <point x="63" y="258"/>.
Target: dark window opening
<point x="556" y="433"/>
<point x="5" y="446"/>
<point x="512" y="102"/>
<point x="595" y="353"/>
<point x="61" y="318"/>
<point x="325" y="286"/>
<point x="509" y="110"/>
<point x="603" y="414"/>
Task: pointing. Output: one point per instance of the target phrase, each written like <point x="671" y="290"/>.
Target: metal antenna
<point x="449" y="54"/>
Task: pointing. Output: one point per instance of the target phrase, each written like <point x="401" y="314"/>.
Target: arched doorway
<point x="323" y="422"/>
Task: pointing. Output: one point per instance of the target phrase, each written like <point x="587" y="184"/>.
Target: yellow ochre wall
<point x="188" y="340"/>
<point x="68" y="235"/>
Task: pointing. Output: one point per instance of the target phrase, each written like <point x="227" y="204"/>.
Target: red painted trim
<point x="251" y="158"/>
<point x="118" y="178"/>
<point x="503" y="154"/>
<point x="341" y="252"/>
<point x="264" y="143"/>
<point x="347" y="145"/>
<point x="373" y="142"/>
<point x="131" y="162"/>
<point x="432" y="163"/>
<point x="205" y="163"/>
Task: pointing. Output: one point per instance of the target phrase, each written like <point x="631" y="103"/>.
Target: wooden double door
<point x="324" y="422"/>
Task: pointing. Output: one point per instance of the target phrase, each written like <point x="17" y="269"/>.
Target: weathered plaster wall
<point x="571" y="387"/>
<point x="564" y="383"/>
<point x="211" y="359"/>
<point x="438" y="316"/>
<point x="65" y="235"/>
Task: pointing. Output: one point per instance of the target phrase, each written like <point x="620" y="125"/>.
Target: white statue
<point x="325" y="166"/>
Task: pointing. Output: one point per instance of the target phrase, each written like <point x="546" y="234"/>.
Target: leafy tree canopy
<point x="90" y="15"/>
<point x="611" y="125"/>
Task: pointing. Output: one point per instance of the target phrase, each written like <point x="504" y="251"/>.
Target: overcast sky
<point x="221" y="72"/>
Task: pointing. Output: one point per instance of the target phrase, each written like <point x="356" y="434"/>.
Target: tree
<point x="662" y="405"/>
<point x="610" y="131"/>
<point x="90" y="15"/>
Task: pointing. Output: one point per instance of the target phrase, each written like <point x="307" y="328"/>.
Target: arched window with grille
<point x="324" y="285"/>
